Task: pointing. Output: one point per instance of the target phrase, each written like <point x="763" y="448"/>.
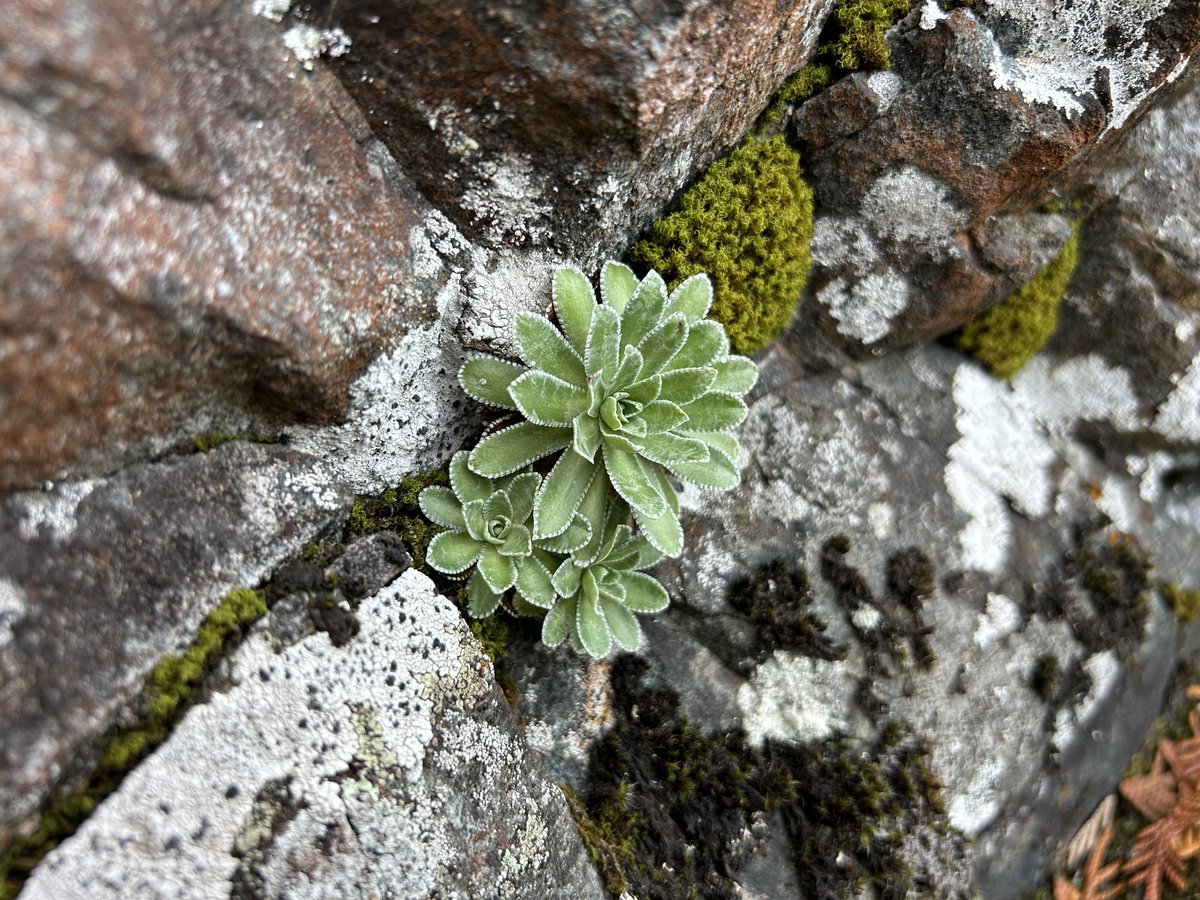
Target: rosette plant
<point x="639" y="385"/>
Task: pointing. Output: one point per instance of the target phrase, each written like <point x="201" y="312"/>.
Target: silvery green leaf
<point x="577" y="534"/>
<point x="573" y="305"/>
<point x="576" y="644"/>
<point x="559" y="622"/>
<point x="663" y="531"/>
<point x="487" y="380"/>
<point x="594" y="510"/>
<point x="663" y="342"/>
<point x="623" y="442"/>
<point x="685" y="385"/>
<point x="635" y="553"/>
<point x="543" y="346"/>
<point x="692" y="298"/>
<point x="617" y="284"/>
<point x="590" y="623"/>
<point x="646" y="390"/>
<point x="516" y="447"/>
<point x="719" y="472"/>
<point x="706" y="342"/>
<point x="645" y="308"/>
<point x="586" y="436"/>
<point x="517" y="542"/>
<point x="497" y="506"/>
<point x="735" y="375"/>
<point x="631" y="482"/>
<point x="635" y="429"/>
<point x="615" y="534"/>
<point x="611" y="586"/>
<point x="662" y="415"/>
<point x="452" y="551"/>
<point x="566" y="578"/>
<point x="627" y="373"/>
<point x="466" y="484"/>
<point x="523" y="607"/>
<point x="603" y="344"/>
<point x="442" y="508"/>
<point x="715" y="412"/>
<point x="546" y="400"/>
<point x="669" y="449"/>
<point x="664" y="486"/>
<point x="621" y="624"/>
<point x="483" y="599"/>
<point x="533" y="583"/>
<point x="474" y="518"/>
<point x="500" y="572"/>
<point x="561" y="493"/>
<point x="521" y="491"/>
<point x="718" y="440"/>
<point x="643" y="594"/>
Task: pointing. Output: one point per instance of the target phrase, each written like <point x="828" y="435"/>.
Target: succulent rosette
<point x="639" y="385"/>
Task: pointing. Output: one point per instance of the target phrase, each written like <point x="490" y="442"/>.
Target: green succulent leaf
<point x="617" y="284"/>
<point x="521" y="490"/>
<point x="662" y="415"/>
<point x="692" y="297"/>
<point x="621" y="623"/>
<point x="543" y="347"/>
<point x="487" y="379"/>
<point x="566" y="578"/>
<point x="441" y="507"/>
<point x="516" y="447"/>
<point x="561" y="493"/>
<point x="546" y="400"/>
<point x="576" y="535"/>
<point x="718" y="472"/>
<point x="603" y="353"/>
<point x="497" y="506"/>
<point x="629" y="369"/>
<point x="594" y="510"/>
<point x="625" y="471"/>
<point x="735" y="375"/>
<point x="466" y="484"/>
<point x="646" y="391"/>
<point x="718" y="440"/>
<point x="517" y="542"/>
<point x="452" y="552"/>
<point x="644" y="310"/>
<point x="559" y="622"/>
<point x="663" y="532"/>
<point x="670" y="449"/>
<point x="475" y="519"/>
<point x="644" y="594"/>
<point x="589" y="621"/>
<point x="483" y="600"/>
<point x="663" y="342"/>
<point x="500" y="572"/>
<point x="715" y="412"/>
<point x="586" y="436"/>
<point x="573" y="305"/>
<point x="533" y="583"/>
<point x="706" y="343"/>
<point x="685" y="385"/>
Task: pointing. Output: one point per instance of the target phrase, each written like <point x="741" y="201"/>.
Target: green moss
<point x="398" y="511"/>
<point x="748" y="223"/>
<point x="1010" y="334"/>
<point x="857" y="41"/>
<point x="1184" y="603"/>
<point x="215" y="438"/>
<point x="167" y="689"/>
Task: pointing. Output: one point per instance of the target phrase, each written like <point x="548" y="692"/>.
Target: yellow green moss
<point x="213" y="439"/>
<point x="1184" y="603"/>
<point x="748" y="223"/>
<point x="398" y="511"/>
<point x="1010" y="334"/>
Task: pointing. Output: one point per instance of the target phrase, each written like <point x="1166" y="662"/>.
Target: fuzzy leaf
<point x="735" y="375"/>
<point x="561" y="493"/>
<point x="631" y="482"/>
<point x="644" y="310"/>
<point x="533" y="583"/>
<point x="635" y="553"/>
<point x="617" y="284"/>
<point x="474" y="518"/>
<point x="577" y="534"/>
<point x="706" y="342"/>
<point x="663" y="532"/>
<point x="670" y="449"/>
<point x="662" y="415"/>
<point x="718" y="472"/>
<point x="566" y="578"/>
<point x="685" y="385"/>
<point x="692" y="298"/>
<point x="498" y="571"/>
<point x="543" y="347"/>
<point x="586" y="436"/>
<point x="516" y="447"/>
<point x="644" y="594"/>
<point x="663" y="342"/>
<point x="628" y="371"/>
<point x="718" y="440"/>
<point x="452" y="552"/>
<point x="559" y="622"/>
<point x="715" y="412"/>
<point x="517" y="542"/>
<point x="573" y="305"/>
<point x="442" y="508"/>
<point x="590" y="622"/>
<point x="483" y="599"/>
<point x="621" y="624"/>
<point x="546" y="400"/>
<point x="466" y="484"/>
<point x="487" y="379"/>
<point x="521" y="491"/>
<point x="603" y="344"/>
<point x="645" y="391"/>
<point x="594" y="510"/>
<point x="497" y="506"/>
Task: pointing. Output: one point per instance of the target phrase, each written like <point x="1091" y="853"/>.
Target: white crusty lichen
<point x="308" y="44"/>
<point x="796" y="698"/>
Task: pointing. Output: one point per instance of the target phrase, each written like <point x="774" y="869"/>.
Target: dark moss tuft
<point x="398" y="511"/>
<point x="776" y="598"/>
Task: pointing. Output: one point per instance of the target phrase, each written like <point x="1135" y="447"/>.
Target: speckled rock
<point x="928" y="177"/>
<point x="388" y="767"/>
<point x="99" y="579"/>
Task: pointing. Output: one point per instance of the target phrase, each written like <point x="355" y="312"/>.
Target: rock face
<point x="247" y="217"/>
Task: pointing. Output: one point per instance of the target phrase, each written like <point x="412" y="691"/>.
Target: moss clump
<point x="748" y="223"/>
<point x="168" y="687"/>
<point x="1184" y="603"/>
<point x="1010" y="334"/>
<point x="213" y="439"/>
<point x="398" y="511"/>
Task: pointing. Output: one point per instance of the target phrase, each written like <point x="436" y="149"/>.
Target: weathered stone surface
<point x="927" y="176"/>
<point x="101" y="578"/>
<point x="388" y="767"/>
<point x="194" y="232"/>
<point x="566" y="127"/>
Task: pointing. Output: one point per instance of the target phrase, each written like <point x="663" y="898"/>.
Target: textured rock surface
<point x="386" y="767"/>
<point x="102" y="578"/>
